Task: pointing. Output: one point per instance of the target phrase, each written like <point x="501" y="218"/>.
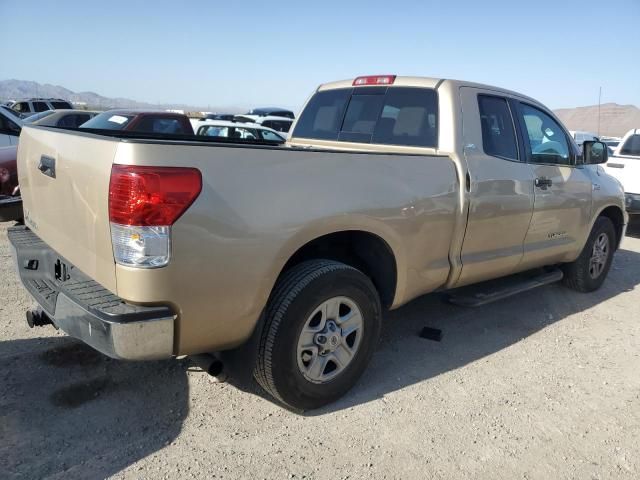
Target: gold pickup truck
<point x="149" y="246"/>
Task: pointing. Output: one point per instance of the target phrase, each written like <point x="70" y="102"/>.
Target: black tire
<point x="296" y="295"/>
<point x="576" y="274"/>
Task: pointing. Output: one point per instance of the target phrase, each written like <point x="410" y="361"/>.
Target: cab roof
<point x="421" y="82"/>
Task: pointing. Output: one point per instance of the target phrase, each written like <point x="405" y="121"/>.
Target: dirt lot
<point x="544" y="385"/>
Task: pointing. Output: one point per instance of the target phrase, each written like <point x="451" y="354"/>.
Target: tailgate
<point x="64" y="182"/>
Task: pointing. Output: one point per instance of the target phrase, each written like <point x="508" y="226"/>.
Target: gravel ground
<point x="543" y="385"/>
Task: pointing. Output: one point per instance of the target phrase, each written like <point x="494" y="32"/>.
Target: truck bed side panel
<point x="259" y="205"/>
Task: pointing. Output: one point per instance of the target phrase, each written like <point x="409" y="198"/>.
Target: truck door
<point x="500" y="187"/>
<point x="562" y="190"/>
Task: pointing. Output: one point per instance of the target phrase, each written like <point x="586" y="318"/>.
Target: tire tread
<point x="287" y="289"/>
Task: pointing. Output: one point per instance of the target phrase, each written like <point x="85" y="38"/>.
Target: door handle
<point x="47" y="166"/>
<point x="615" y="165"/>
<point x="543" y="183"/>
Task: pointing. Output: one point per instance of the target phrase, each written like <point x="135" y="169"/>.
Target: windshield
<point x="631" y="146"/>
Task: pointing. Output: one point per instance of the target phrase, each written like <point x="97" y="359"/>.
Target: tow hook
<point x="37" y="318"/>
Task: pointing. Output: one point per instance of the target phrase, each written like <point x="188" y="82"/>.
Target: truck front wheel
<point x="589" y="270"/>
<point x="321" y="328"/>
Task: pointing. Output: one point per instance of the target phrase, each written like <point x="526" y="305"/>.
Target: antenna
<point x="599" y="99"/>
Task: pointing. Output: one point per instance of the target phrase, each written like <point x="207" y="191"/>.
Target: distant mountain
<point x="615" y="120"/>
<point x="16" y="89"/>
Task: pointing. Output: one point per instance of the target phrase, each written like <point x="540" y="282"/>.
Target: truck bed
<point x="259" y="204"/>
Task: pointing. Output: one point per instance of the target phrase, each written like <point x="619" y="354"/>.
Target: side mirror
<point x="594" y="152"/>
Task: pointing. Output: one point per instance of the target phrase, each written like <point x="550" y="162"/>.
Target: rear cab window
<point x="405" y="116"/>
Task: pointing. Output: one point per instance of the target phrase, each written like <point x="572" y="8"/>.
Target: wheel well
<point x="362" y="250"/>
<point x="615" y="215"/>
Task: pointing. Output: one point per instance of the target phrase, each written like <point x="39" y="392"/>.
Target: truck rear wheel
<point x="321" y="328"/>
<point x="589" y="270"/>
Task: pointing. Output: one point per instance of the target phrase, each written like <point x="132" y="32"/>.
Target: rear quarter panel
<point x="260" y="205"/>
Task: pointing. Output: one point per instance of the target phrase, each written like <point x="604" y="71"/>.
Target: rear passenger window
<point x="498" y="133"/>
<point x="40" y="107"/>
<point x="389" y="116"/>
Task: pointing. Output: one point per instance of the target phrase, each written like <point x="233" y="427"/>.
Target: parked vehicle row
<point x="243" y="131"/>
<point x="284" y="256"/>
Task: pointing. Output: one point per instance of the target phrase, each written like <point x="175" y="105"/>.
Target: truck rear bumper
<point x="10" y="208"/>
<point x="85" y="309"/>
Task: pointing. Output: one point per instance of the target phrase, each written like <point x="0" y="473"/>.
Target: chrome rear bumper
<point x="85" y="309"/>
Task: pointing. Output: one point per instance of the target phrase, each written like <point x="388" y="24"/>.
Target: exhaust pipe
<point x="37" y="318"/>
<point x="211" y="365"/>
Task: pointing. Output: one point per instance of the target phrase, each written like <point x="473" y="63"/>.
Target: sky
<point x="249" y="53"/>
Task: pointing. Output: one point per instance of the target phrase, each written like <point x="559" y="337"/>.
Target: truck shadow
<point x="67" y="411"/>
<point x="403" y="358"/>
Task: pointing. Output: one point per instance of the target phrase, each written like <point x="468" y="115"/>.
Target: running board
<point x="494" y="290"/>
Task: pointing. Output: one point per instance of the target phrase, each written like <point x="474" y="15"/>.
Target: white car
<point x="244" y="131"/>
<point x="10" y="127"/>
<point x="580" y="137"/>
<point x="282" y="125"/>
<point x="624" y="164"/>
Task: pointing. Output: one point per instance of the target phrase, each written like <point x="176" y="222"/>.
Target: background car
<point x="272" y="112"/>
<point x="279" y="124"/>
<point x="10" y="128"/>
<point x="65" y="118"/>
<point x="141" y="121"/>
<point x="245" y="131"/>
<point x="10" y="200"/>
<point x="580" y="137"/>
<point x="611" y="142"/>
<point x="624" y="164"/>
<point x="29" y="106"/>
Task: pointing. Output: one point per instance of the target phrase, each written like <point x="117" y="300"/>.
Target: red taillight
<point x="375" y="80"/>
<point x="151" y="196"/>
